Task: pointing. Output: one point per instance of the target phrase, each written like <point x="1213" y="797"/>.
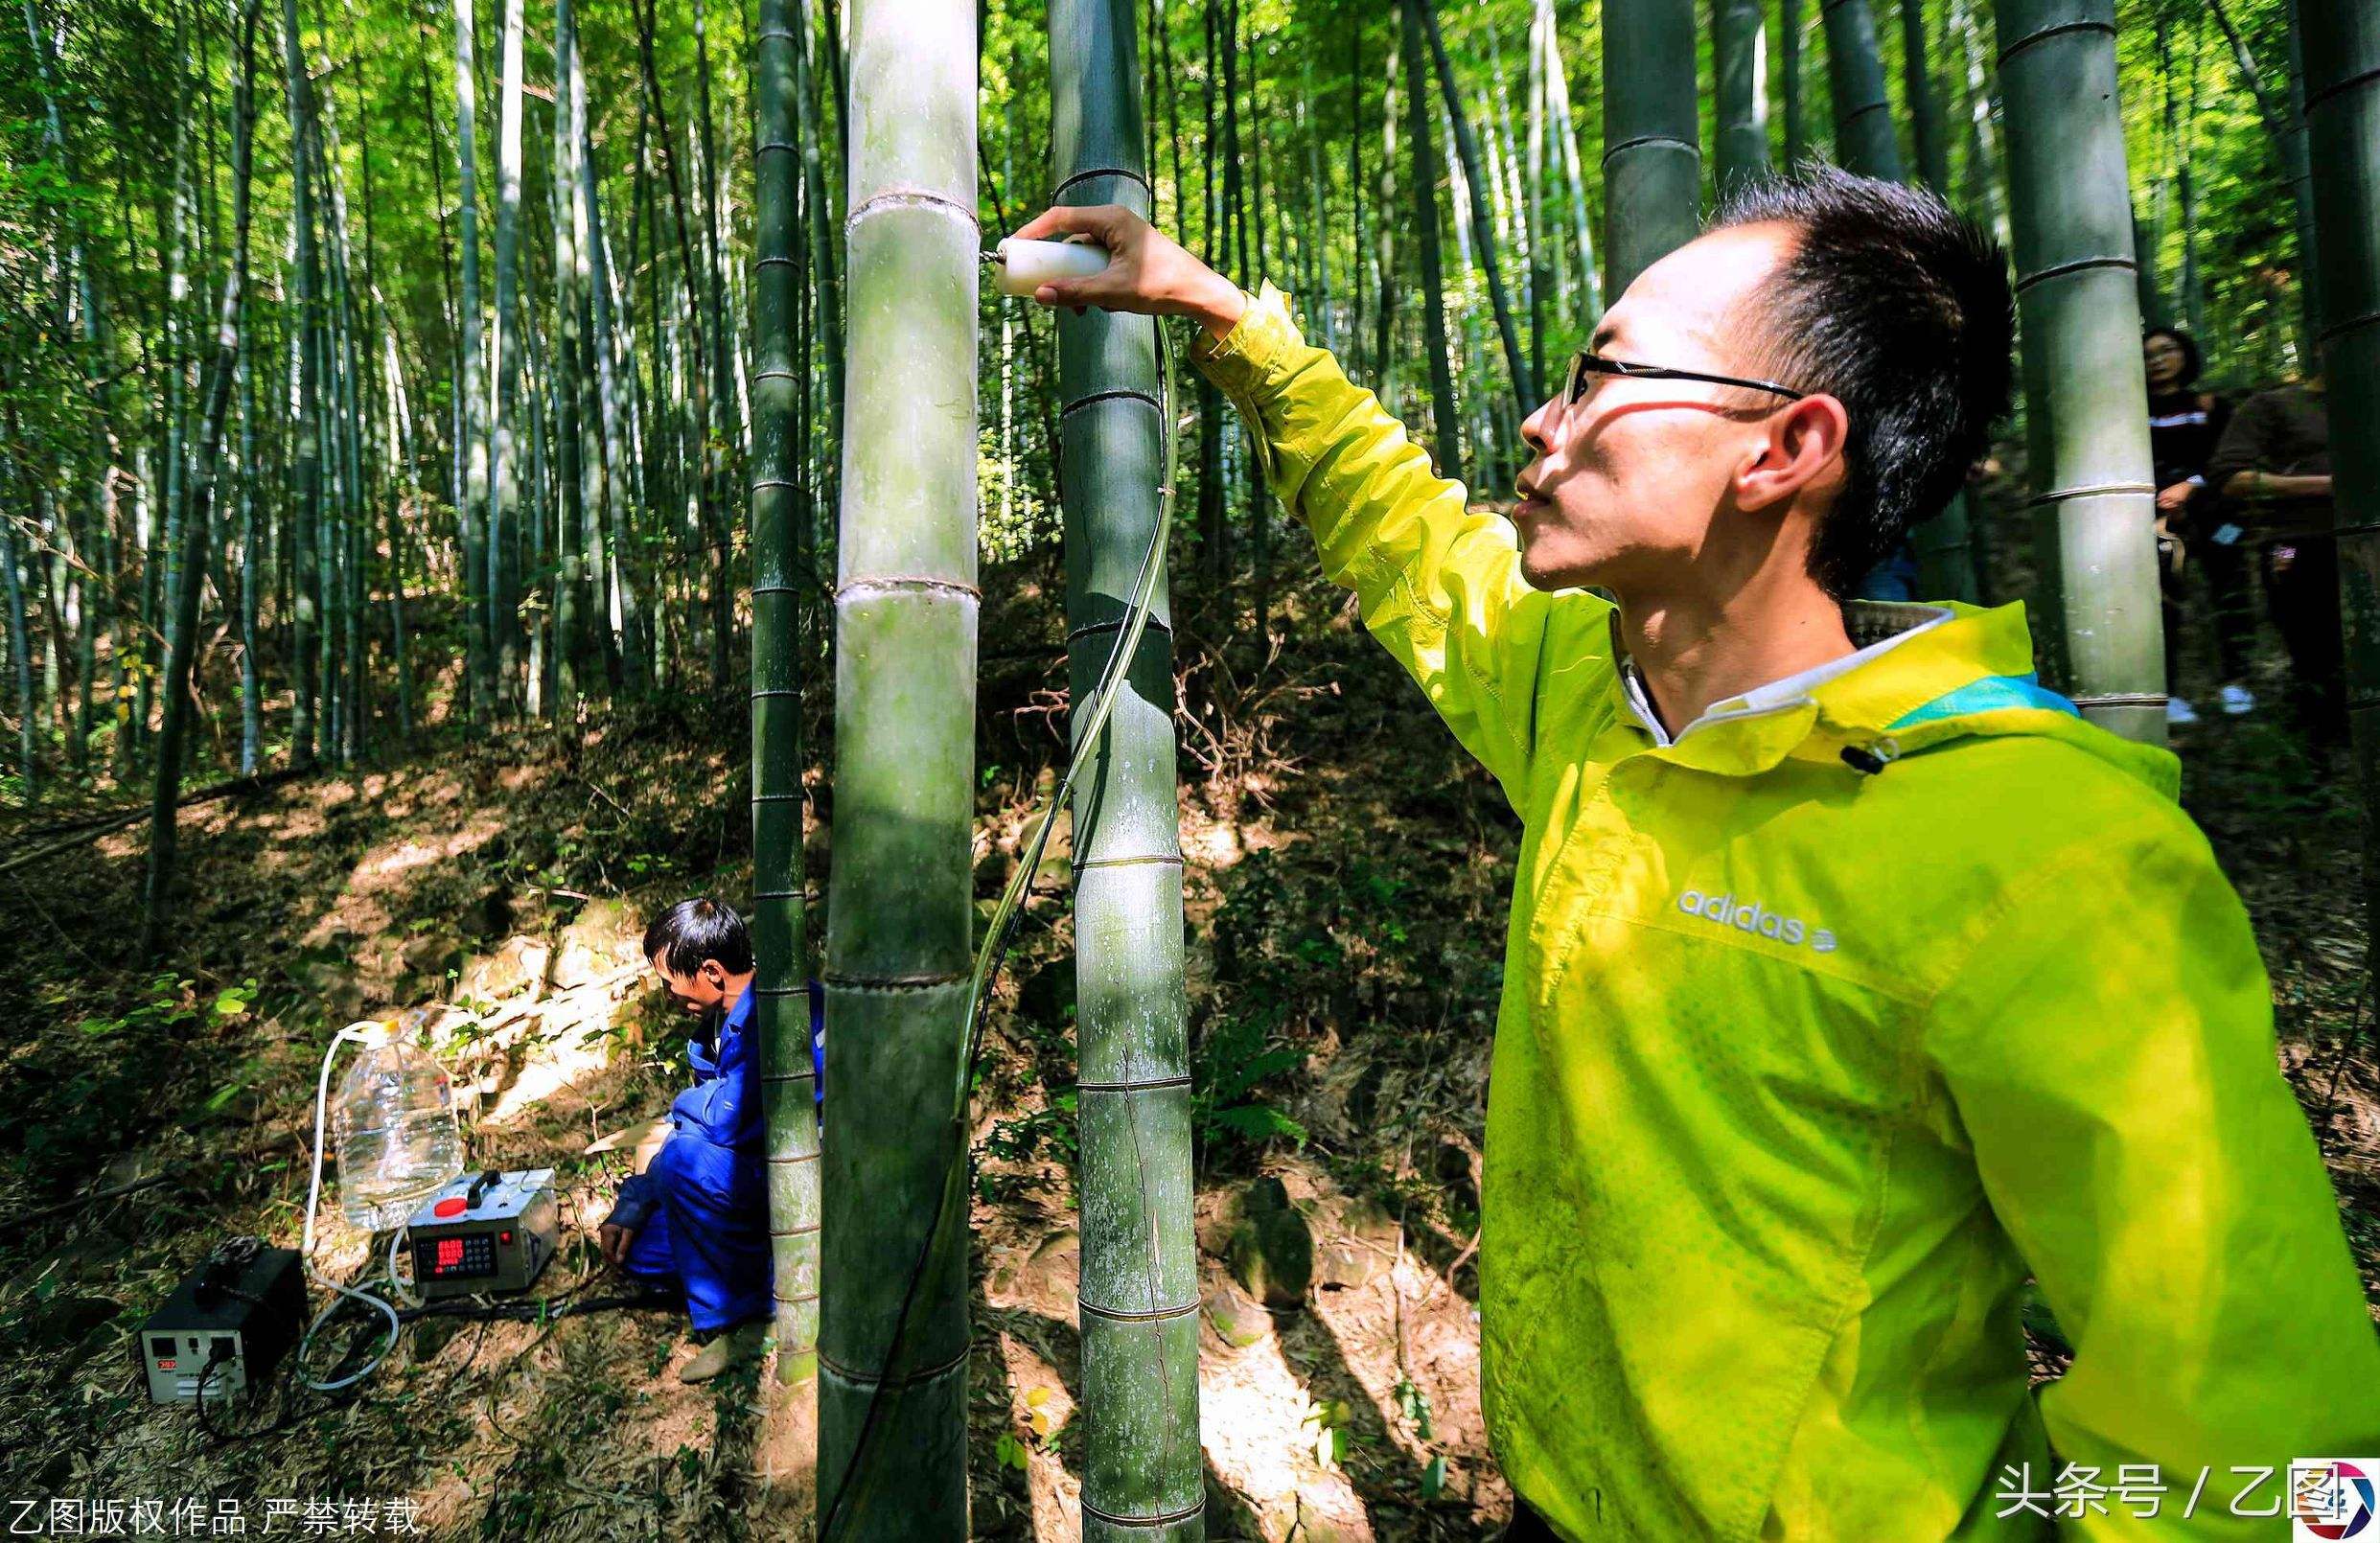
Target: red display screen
<point x="456" y="1257"/>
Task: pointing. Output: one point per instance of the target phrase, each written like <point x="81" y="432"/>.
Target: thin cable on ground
<point x="545" y="1311"/>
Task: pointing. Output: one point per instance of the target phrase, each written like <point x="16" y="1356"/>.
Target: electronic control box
<point x="226" y="1325"/>
<point x="487" y="1232"/>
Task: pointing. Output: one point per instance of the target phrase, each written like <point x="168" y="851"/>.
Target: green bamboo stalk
<point x="56" y="584"/>
<point x="2086" y="405"/>
<point x="182" y="634"/>
<point x="28" y="782"/>
<point x="347" y="416"/>
<point x="306" y="509"/>
<point x="2298" y="161"/>
<point x="1445" y="415"/>
<point x="472" y="417"/>
<point x="2148" y="289"/>
<point x="1143" y="1476"/>
<point x="539" y="493"/>
<point x="331" y="535"/>
<point x="1924" y="104"/>
<point x="1318" y="223"/>
<point x="1574" y="176"/>
<point x="1982" y="179"/>
<point x="892" y="1333"/>
<point x="251" y="707"/>
<point x="1944" y="544"/>
<point x="1864" y="141"/>
<point x="829" y="302"/>
<point x="694" y="356"/>
<point x="75" y="258"/>
<point x="599" y="460"/>
<point x="1514" y="221"/>
<point x="782" y="1015"/>
<point x="2343" y="134"/>
<point x="579" y="448"/>
<point x="721" y="386"/>
<point x="1214" y="524"/>
<point x="2182" y="133"/>
<point x="176" y="342"/>
<point x="1738" y="63"/>
<point x="504" y="569"/>
<point x="1652" y="156"/>
<point x="397" y="434"/>
<point x="1789" y="75"/>
<point x="1384" y="263"/>
<point x="621" y="620"/>
<point x="1543" y="247"/>
<point x="1482" y="223"/>
<point x="388" y="426"/>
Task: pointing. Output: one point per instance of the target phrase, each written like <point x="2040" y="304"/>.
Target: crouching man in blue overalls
<point x="696" y="1220"/>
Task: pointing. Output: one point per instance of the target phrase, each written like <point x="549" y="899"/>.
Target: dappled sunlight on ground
<point x="1039" y="1407"/>
<point x="1261" y="1439"/>
<point x="1347" y="875"/>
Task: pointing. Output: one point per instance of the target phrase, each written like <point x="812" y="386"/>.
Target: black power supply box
<point x="229" y="1323"/>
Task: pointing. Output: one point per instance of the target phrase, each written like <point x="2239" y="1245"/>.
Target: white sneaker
<point x="2238" y="700"/>
<point x="2178" y="713"/>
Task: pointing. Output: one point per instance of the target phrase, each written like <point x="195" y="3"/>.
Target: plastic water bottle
<point x="398" y="1143"/>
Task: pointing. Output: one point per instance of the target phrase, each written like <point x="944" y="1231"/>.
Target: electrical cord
<point x="223" y="1266"/>
<point x="292" y="1411"/>
<point x="544" y="1312"/>
<point x="213" y="1360"/>
<point x="455" y="1373"/>
<point x="1008" y="913"/>
<point x="539" y="1309"/>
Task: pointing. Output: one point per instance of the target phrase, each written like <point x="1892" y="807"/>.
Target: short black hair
<point x="693" y="931"/>
<point x="2191" y="361"/>
<point x="1900" y="308"/>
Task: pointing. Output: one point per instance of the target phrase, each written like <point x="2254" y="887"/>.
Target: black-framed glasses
<point x="1584" y="364"/>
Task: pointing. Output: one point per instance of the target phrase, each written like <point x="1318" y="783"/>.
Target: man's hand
<point x="2174" y="499"/>
<point x="614" y="1241"/>
<point x="1146" y="272"/>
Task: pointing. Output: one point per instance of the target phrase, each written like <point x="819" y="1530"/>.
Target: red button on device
<point x="452" y="1205"/>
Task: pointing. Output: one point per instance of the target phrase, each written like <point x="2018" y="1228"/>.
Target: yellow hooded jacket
<point x="1822" y="1025"/>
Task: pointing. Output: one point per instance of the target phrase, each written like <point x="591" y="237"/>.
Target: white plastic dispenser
<point x="1019" y="267"/>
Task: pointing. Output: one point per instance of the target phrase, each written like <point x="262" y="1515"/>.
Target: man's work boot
<point x="740" y="1345"/>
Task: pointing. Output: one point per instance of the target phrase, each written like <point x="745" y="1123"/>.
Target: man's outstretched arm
<point x="1439" y="586"/>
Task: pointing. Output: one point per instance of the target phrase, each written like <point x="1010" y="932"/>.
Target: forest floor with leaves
<point x="1347" y="877"/>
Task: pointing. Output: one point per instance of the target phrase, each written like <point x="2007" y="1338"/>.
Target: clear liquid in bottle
<point x="398" y="1142"/>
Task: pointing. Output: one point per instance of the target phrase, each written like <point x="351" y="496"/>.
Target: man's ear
<point x="1803" y="446"/>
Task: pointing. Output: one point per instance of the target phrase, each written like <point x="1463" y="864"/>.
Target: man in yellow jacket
<point x="1851" y="975"/>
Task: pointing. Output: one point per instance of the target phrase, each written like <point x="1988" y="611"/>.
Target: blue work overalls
<point x="700" y="1210"/>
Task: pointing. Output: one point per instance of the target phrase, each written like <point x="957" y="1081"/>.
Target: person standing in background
<point x="2185" y="425"/>
<point x="2275" y="457"/>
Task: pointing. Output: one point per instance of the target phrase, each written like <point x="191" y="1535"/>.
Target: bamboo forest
<point x="785" y="768"/>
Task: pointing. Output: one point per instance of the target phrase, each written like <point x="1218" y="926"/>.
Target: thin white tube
<point x="306" y="1250"/>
